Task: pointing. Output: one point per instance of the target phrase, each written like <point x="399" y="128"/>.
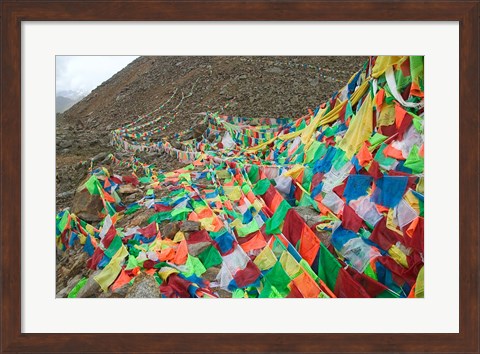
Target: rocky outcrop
<point x="87" y="206"/>
<point x="144" y="286"/>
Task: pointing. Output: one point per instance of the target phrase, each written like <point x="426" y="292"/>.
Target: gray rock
<point x="199" y="130"/>
<point x="72" y="282"/>
<point x="100" y="156"/>
<point x="194" y="249"/>
<point x="91" y="287"/>
<point x="131" y="198"/>
<point x="211" y="273"/>
<point x="127" y="189"/>
<point x="87" y="206"/>
<point x="119" y="293"/>
<point x="144" y="286"/>
<point x="123" y="290"/>
<point x="65" y="144"/>
<point x="190" y="226"/>
<point x="63" y="293"/>
<point x="79" y="260"/>
<point x="314" y="82"/>
<point x="65" y="194"/>
<point x="70" y="285"/>
<point x="169" y="230"/>
<point x="308" y="214"/>
<point x="274" y="70"/>
<point x="141" y="218"/>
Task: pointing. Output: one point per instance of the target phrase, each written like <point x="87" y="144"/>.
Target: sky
<point x="85" y="72"/>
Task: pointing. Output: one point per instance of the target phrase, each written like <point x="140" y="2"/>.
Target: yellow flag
<point x="420" y="185"/>
<point x="207" y="223"/>
<point x="266" y="259"/>
<point x="308" y="131"/>
<point x="166" y="271"/>
<point x="398" y="256"/>
<point x="295" y="171"/>
<point x="360" y="129"/>
<point x="290" y="265"/>
<point x="386" y="116"/>
<point x="257" y="205"/>
<point x="383" y="62"/>
<point x="290" y="135"/>
<point x="413" y="201"/>
<point x="233" y="192"/>
<point x="419" y="285"/>
<point x="108" y="275"/>
<point x="391" y="224"/>
<point x="320" y="119"/>
<point x="179" y="236"/>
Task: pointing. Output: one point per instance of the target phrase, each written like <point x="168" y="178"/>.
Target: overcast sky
<point x="85" y="72"/>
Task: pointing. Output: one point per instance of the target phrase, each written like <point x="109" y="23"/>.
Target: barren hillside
<point x="241" y="86"/>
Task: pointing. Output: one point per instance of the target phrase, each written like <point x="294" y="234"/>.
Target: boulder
<point x="70" y="285"/>
<point x="119" y="293"/>
<point x="65" y="144"/>
<point x="144" y="286"/>
<point x="122" y="291"/>
<point x="169" y="230"/>
<point x="91" y="287"/>
<point x="87" y="206"/>
<point x="65" y="194"/>
<point x="63" y="293"/>
<point x="194" y="249"/>
<point x="142" y="218"/>
<point x="127" y="189"/>
<point x="199" y="130"/>
<point x="73" y="281"/>
<point x="100" y="156"/>
<point x="79" y="259"/>
<point x="132" y="198"/>
<point x="190" y="226"/>
<point x="211" y="274"/>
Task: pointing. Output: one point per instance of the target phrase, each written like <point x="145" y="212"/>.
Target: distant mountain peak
<point x="75" y="95"/>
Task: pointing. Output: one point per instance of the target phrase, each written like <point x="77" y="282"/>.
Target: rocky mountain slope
<point x="241" y="86"/>
<point x="63" y="103"/>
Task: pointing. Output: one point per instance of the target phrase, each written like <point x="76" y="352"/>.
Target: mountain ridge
<point x="242" y="86"/>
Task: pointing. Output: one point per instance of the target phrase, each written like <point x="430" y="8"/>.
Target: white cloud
<point x="84" y="73"/>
